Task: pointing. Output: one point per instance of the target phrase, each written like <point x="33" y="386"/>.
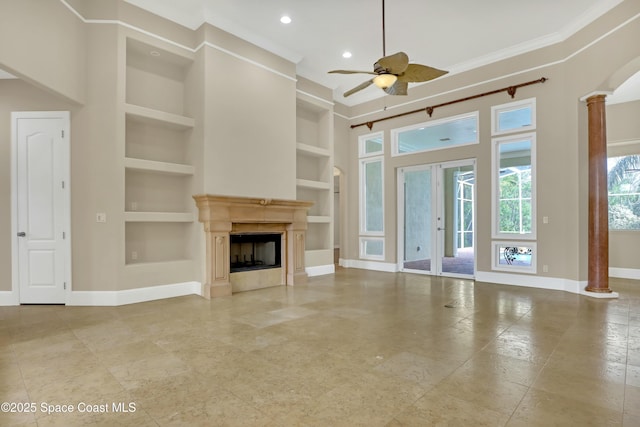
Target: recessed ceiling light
<point x="285" y="19"/>
<point x="346" y="54"/>
<point x="154" y="53"/>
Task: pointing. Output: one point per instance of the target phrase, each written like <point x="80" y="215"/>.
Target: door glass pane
<point x="457" y="227"/>
<point x="417" y="220"/>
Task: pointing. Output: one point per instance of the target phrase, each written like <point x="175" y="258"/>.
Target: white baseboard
<point x="320" y="270"/>
<point x="9" y="298"/>
<point x="132" y="296"/>
<point x="551" y="283"/>
<point x="624" y="273"/>
<point x="368" y="265"/>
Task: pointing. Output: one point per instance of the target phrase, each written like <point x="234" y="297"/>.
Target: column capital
<point x="601" y="93"/>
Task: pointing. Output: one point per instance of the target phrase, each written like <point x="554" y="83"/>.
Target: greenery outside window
<point x="624" y="192"/>
<point x="514" y="186"/>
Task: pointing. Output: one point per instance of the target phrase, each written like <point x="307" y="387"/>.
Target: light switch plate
<point x="101" y="217"/>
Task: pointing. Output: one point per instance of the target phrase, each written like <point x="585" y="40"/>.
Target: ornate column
<point x="598" y="280"/>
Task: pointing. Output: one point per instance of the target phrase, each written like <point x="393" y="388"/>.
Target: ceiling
<point x="455" y="35"/>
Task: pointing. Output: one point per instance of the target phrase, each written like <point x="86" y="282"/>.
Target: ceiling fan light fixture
<point x="383" y="81"/>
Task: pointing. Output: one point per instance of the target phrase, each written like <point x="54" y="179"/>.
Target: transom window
<point x="515" y="116"/>
<point x="435" y="135"/>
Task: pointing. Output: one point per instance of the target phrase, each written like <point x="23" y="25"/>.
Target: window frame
<point x="396" y="132"/>
<point x="495" y="257"/>
<point x="362" y="140"/>
<point x="364" y="255"/>
<point x="495" y="182"/>
<point x="363" y="188"/>
<point x="511" y="106"/>
<point x="617" y="150"/>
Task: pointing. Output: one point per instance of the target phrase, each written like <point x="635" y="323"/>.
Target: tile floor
<point x="355" y="349"/>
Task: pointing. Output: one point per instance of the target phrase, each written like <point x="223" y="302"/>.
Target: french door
<point x="436" y="219"/>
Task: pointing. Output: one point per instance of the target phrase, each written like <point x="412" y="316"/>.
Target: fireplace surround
<point x="223" y="216"/>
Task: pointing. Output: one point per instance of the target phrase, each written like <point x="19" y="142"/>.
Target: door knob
<point x="21" y="234"/>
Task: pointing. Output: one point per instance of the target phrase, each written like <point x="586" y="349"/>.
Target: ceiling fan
<point x="393" y="73"/>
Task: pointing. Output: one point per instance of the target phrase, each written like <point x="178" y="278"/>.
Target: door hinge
<point x="62" y="131"/>
<point x="64" y="235"/>
<point x="65" y="286"/>
<point x="62" y="184"/>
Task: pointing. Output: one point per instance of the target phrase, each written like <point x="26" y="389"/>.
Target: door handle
<point x="21" y="234"/>
<point x="440" y="229"/>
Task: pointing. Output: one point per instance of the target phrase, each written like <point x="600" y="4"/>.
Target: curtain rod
<point x="511" y="90"/>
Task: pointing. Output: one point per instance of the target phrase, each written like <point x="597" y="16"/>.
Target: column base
<point x="603" y="293"/>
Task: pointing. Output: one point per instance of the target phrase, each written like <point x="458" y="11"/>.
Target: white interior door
<point x="41" y="224"/>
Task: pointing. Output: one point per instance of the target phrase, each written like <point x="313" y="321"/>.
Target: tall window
<point x="624" y="192"/>
<point x="371" y="153"/>
<point x="514" y="185"/>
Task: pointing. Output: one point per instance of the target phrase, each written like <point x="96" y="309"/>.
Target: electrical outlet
<point x="134" y="255"/>
<point x="545" y="220"/>
<point x="134" y="206"/>
<point x="545" y="268"/>
<point x="101" y="217"/>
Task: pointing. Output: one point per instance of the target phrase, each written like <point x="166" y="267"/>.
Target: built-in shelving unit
<point x="158" y="166"/>
<point x="314" y="173"/>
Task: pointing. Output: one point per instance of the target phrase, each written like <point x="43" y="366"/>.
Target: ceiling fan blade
<point x="398" y="88"/>
<point x="359" y="88"/>
<point x="394" y="64"/>
<point x="420" y="73"/>
<point x="351" y="72"/>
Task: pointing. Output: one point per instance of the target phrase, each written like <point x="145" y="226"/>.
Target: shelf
<point x="158" y="217"/>
<point x="312" y="150"/>
<point x="160" y="167"/>
<point x="318" y="219"/>
<point x="314" y="185"/>
<point x="159" y="118"/>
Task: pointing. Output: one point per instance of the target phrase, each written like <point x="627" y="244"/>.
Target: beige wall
<point x="249" y="129"/>
<point x="54" y="40"/>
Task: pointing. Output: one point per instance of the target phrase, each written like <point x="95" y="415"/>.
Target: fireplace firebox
<point x="255" y="251"/>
